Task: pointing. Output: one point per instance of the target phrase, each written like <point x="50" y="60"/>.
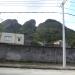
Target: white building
<point x="12" y="38"/>
<point x="58" y="43"/>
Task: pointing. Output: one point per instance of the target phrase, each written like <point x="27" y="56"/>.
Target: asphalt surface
<point x="18" y="71"/>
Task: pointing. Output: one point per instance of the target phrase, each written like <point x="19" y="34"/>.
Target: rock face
<point x="28" y="29"/>
<point x="11" y="25"/>
<point x="35" y="54"/>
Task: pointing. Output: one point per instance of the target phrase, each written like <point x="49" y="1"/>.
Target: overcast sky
<point x="37" y="6"/>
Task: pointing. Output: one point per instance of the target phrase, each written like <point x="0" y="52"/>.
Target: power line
<point x="29" y="12"/>
<point x="39" y="3"/>
<point x="31" y="5"/>
<point x="31" y="1"/>
<point x="70" y="9"/>
<point x="27" y="2"/>
<point x="40" y="12"/>
<point x="36" y="4"/>
<point x="70" y="14"/>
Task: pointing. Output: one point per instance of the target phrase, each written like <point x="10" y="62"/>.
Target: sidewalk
<point x="37" y="66"/>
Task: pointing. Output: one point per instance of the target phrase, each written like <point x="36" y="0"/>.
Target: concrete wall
<point x="12" y="38"/>
<point x="35" y="54"/>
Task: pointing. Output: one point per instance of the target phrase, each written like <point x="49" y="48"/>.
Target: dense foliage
<point x="49" y="31"/>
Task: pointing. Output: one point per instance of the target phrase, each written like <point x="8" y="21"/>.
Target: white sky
<point x="36" y="6"/>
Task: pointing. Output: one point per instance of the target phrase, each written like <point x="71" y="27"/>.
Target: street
<point x="17" y="71"/>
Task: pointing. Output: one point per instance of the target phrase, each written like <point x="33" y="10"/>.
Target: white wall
<point x="12" y="38"/>
<point x="19" y="39"/>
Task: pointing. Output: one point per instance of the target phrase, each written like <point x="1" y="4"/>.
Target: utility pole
<point x="63" y="35"/>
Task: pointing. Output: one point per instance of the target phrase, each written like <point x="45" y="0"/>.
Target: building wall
<point x="35" y="54"/>
<point x="0" y="36"/>
<point x="12" y="38"/>
<point x="7" y="38"/>
<point x="19" y="39"/>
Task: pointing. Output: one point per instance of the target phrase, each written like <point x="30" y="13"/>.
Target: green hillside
<point x="51" y="31"/>
<point x="46" y="32"/>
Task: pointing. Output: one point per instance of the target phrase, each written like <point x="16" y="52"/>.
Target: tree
<point x="49" y="31"/>
<point x="1" y="28"/>
<point x="28" y="29"/>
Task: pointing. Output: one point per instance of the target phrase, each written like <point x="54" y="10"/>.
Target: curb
<point x="37" y="67"/>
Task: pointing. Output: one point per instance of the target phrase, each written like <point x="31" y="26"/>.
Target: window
<point x="7" y="38"/>
<point x="19" y="38"/>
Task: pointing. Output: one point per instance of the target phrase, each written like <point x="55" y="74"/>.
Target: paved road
<point x="17" y="71"/>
